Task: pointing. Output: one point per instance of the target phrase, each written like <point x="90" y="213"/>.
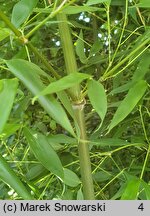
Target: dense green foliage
<point x="44" y="91"/>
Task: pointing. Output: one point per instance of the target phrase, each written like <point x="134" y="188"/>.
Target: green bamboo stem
<point x="84" y="158"/>
<point x="71" y="67"/>
<point x="69" y="56"/>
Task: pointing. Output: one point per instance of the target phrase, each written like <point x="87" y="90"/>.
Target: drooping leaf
<point x="1" y="87"/>
<point x="113" y="142"/>
<point x="142" y="67"/>
<point x="140" y="72"/>
<point x="129" y="102"/>
<point x="118" y="2"/>
<point x="80" y="48"/>
<point x="102" y="176"/>
<point x="57" y="141"/>
<point x="80" y="9"/>
<point x="8" y="176"/>
<point x="122" y="88"/>
<point x="7" y="95"/>
<point x="21" y="11"/>
<point x="131" y="189"/>
<point x="9" y="129"/>
<point x="4" y="32"/>
<point x="64" y="98"/>
<point x="98" y="98"/>
<point x="70" y="178"/>
<point x="119" y="193"/>
<point x="35" y="171"/>
<point x="92" y="2"/>
<point x="44" y="152"/>
<point x="29" y="74"/>
<point x="64" y="83"/>
<point x="95" y="48"/>
<point x="143" y="4"/>
<point x="133" y="14"/>
<point x="108" y="142"/>
<point x="61" y="138"/>
<point x="70" y="10"/>
<point x="144" y="37"/>
<point x="80" y="195"/>
<point x="146" y="188"/>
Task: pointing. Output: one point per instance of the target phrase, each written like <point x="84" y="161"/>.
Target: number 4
<point x="141" y="207"/>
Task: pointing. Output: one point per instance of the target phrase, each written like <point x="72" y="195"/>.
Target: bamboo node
<point x="79" y="105"/>
<point x="23" y="39"/>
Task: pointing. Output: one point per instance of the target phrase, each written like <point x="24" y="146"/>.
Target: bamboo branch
<point x="25" y="41"/>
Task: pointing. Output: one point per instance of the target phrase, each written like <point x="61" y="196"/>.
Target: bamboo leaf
<point x="80" y="48"/>
<point x="7" y="95"/>
<point x="4" y="32"/>
<point x="9" y="129"/>
<point x="44" y="152"/>
<point x="80" y="195"/>
<point x="95" y="48"/>
<point x="142" y="67"/>
<point x="9" y="177"/>
<point x="119" y="192"/>
<point x="122" y="88"/>
<point x="64" y="98"/>
<point x="92" y="2"/>
<point x="131" y="189"/>
<point x="70" y="178"/>
<point x="143" y="4"/>
<point x="144" y="37"/>
<point x="29" y="74"/>
<point x="35" y="171"/>
<point x="108" y="142"/>
<point x="61" y="138"/>
<point x="63" y="83"/>
<point x="129" y="102"/>
<point x="80" y="9"/>
<point x="98" y="98"/>
<point x="21" y="11"/>
<point x="102" y="176"/>
<point x="140" y="72"/>
<point x="146" y="188"/>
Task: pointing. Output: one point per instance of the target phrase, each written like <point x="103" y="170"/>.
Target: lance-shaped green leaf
<point x="93" y="2"/>
<point x="8" y="88"/>
<point x="129" y="102"/>
<point x="98" y="98"/>
<point x="21" y="11"/>
<point x="70" y="178"/>
<point x="80" y="48"/>
<point x="146" y="188"/>
<point x="8" y="176"/>
<point x="44" y="152"/>
<point x="132" y="188"/>
<point x="29" y="74"/>
<point x="4" y="32"/>
<point x="80" y="9"/>
<point x="63" y="83"/>
<point x="143" y="4"/>
<point x="139" y="74"/>
<point x="142" y="67"/>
